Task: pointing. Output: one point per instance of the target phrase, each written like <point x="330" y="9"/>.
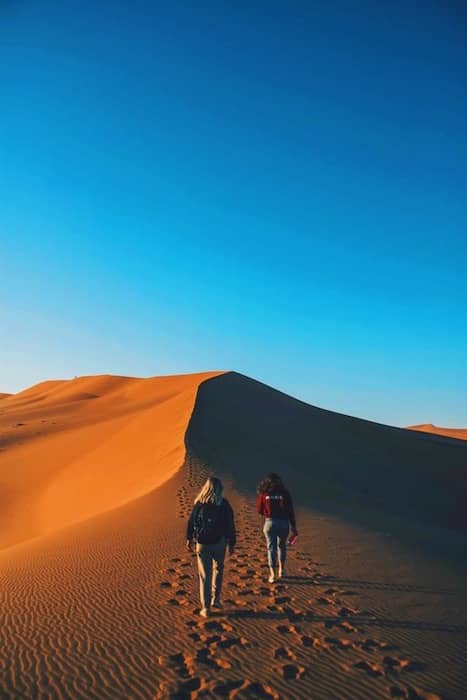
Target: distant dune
<point x="457" y="433"/>
<point x="100" y="597"/>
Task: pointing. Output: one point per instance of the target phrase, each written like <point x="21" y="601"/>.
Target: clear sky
<point x="274" y="187"/>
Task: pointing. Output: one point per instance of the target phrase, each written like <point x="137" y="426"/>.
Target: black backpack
<point x="208" y="523"/>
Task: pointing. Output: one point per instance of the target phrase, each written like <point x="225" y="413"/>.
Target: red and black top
<point x="276" y="504"/>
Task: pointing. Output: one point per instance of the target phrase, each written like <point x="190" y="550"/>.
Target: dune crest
<point x="457" y="433"/>
<point x="71" y="449"/>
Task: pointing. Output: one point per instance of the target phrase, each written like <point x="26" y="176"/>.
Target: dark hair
<point x="272" y="482"/>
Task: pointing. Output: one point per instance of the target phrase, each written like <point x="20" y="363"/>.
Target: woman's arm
<point x="260" y="504"/>
<point x="230" y="533"/>
<point x="190" y="529"/>
<point x="290" y="512"/>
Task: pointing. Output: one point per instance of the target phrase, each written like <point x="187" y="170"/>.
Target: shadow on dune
<point x="330" y="622"/>
<point x="326" y="581"/>
<point x="244" y="428"/>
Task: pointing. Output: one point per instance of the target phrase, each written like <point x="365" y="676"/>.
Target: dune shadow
<point x="325" y="581"/>
<point x="357" y="620"/>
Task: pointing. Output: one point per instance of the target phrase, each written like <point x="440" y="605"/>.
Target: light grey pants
<point x="211" y="571"/>
<point x="276" y="532"/>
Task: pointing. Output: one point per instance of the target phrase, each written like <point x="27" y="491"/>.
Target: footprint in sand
<point x="205" y="656"/>
<point x="370" y="669"/>
<point x="338" y="643"/>
<point x="284" y="653"/>
<point x="229" y="642"/>
<point x="315" y="643"/>
<point x="287" y="629"/>
<point x="292" y="671"/>
<point x="395" y="664"/>
<point x="373" y="645"/>
<point x="324" y="601"/>
<point x="225" y="690"/>
<point x="178" y="690"/>
<point x="347" y="611"/>
<point x="253" y="690"/>
<point x="281" y="600"/>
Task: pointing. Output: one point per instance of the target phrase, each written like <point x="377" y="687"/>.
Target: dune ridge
<point x="71" y="449"/>
<point x="457" y="433"/>
<point x="347" y="460"/>
<point x="101" y="601"/>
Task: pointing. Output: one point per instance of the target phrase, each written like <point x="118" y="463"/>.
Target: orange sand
<point x="457" y="433"/>
<point x="77" y="448"/>
<point x="99" y="596"/>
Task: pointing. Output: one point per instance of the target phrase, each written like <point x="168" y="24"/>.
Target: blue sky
<point x="276" y="188"/>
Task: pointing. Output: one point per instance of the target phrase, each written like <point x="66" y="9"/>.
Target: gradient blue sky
<point x="273" y="187"/>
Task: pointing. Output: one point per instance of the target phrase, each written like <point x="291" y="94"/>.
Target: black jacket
<point x="228" y="524"/>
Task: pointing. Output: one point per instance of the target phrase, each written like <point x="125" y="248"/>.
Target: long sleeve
<point x="259" y="503"/>
<point x="290" y="510"/>
<point x="230" y="533"/>
<point x="190" y="528"/>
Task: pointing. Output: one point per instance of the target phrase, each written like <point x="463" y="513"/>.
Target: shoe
<point x="272" y="576"/>
<point x="281" y="573"/>
<point x="204" y="612"/>
<point x="216" y="604"/>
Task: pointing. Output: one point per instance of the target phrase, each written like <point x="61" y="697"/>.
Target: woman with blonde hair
<point x="211" y="528"/>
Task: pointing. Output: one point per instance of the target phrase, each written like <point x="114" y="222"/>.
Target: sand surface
<point x="99" y="597"/>
<point x="457" y="433"/>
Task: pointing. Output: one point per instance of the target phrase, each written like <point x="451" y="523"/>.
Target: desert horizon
<point x="100" y="473"/>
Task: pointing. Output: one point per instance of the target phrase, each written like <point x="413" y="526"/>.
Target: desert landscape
<point x="100" y="596"/>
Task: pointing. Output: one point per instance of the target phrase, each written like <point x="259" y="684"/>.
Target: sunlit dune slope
<point x="248" y="429"/>
<point x="3" y="395"/>
<point x="70" y="449"/>
<point x="457" y="433"/>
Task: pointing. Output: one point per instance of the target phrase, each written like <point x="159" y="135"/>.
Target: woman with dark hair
<point x="274" y="502"/>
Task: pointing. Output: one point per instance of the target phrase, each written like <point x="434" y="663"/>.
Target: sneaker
<point x="272" y="577"/>
<point x="204" y="612"/>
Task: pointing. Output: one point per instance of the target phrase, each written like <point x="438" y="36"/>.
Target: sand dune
<point x="3" y="395"/>
<point x="73" y="449"/>
<point x="328" y="456"/>
<point x="99" y="597"/>
<point x="457" y="433"/>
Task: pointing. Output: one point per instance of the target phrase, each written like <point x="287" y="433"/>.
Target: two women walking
<point x="211" y="530"/>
